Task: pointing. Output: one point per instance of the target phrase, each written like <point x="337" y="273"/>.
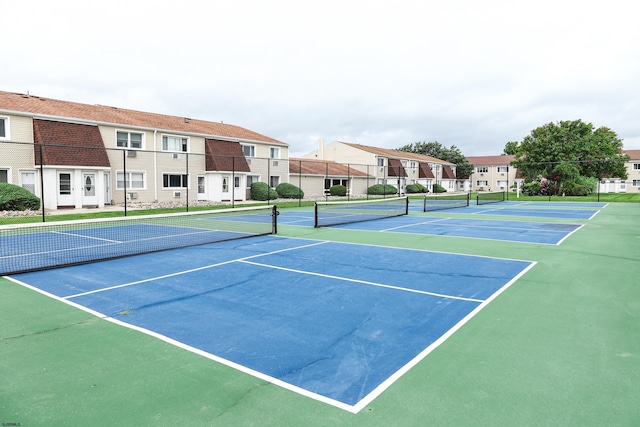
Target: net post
<point x="315" y="215"/>
<point x="274" y="219"/>
<point x="468" y="199"/>
<point x="406" y="210"/>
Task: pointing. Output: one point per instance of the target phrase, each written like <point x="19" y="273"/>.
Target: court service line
<point x="86" y="237"/>
<point x="365" y="282"/>
<point x="151" y="279"/>
<point x="414" y="224"/>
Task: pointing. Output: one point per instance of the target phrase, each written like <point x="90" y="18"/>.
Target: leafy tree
<point x="567" y="150"/>
<point x="437" y="150"/>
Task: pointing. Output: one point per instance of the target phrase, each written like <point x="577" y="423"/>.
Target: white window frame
<point x="636" y="166"/>
<point x="182" y="176"/>
<point x="32" y="173"/>
<point x="482" y="183"/>
<point x="274" y="153"/>
<point x="7" y="128"/>
<point x="129" y="146"/>
<point x="381" y="161"/>
<point x="184" y="143"/>
<point x="251" y="149"/>
<point x="272" y="178"/>
<point x="482" y="169"/>
<point x="502" y="183"/>
<point x="636" y="183"/>
<point x="251" y="179"/>
<point x="129" y="180"/>
<point x="8" y="171"/>
<point x="503" y="169"/>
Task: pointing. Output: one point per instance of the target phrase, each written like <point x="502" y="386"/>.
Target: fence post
<point x="42" y="183"/>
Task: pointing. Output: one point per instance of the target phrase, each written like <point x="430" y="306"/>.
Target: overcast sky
<point x="470" y="73"/>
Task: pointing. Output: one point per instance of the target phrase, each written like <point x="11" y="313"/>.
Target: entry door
<point x="202" y="194"/>
<point x="226" y="187"/>
<point x="89" y="195"/>
<point x="65" y="189"/>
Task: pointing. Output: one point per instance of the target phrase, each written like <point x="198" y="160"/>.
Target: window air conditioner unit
<point x="132" y="196"/>
<point x="176" y="194"/>
<point x="131" y="153"/>
<point x="275" y="163"/>
<point x="176" y="156"/>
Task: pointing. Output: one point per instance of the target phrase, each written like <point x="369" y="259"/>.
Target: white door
<point x="202" y="194"/>
<point x="226" y="187"/>
<point x="89" y="195"/>
<point x="107" y="188"/>
<point x="65" y="189"/>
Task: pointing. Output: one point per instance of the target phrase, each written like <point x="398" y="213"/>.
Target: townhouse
<point x="493" y="173"/>
<point x="392" y="167"/>
<point x="76" y="155"/>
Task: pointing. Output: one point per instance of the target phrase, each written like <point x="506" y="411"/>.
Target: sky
<point x="474" y="74"/>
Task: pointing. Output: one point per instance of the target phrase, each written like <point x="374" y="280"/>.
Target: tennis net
<point x="445" y="201"/>
<point x="335" y="213"/>
<point x="30" y="247"/>
<point x="491" y="197"/>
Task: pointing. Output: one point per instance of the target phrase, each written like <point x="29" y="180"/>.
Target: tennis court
<point x="292" y="311"/>
<point x="331" y="326"/>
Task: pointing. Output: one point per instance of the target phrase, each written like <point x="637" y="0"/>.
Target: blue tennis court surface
<point x="337" y="322"/>
<point x="507" y="230"/>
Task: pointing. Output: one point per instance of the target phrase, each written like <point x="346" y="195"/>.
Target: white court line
<point x="86" y="237"/>
<point x="124" y="285"/>
<point x="417" y="223"/>
<point x="365" y="282"/>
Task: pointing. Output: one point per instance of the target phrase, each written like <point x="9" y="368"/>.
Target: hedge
<point x="15" y="198"/>
<point x="338" y="190"/>
<point x="382" y="189"/>
<point x="260" y="191"/>
<point x="289" y="191"/>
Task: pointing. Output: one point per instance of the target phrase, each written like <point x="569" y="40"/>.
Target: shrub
<point x="338" y="190"/>
<point x="261" y="191"/>
<point x="416" y="188"/>
<point x="437" y="188"/>
<point x="531" y="189"/>
<point x="382" y="189"/>
<point x="289" y="191"/>
<point x="15" y="198"/>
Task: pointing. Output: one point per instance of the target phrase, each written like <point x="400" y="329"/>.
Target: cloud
<point x="475" y="74"/>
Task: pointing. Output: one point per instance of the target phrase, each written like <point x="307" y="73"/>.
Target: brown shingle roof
<point x="68" y="144"/>
<point x="396" y="168"/>
<point x="490" y="160"/>
<point x="224" y="156"/>
<point x="321" y="167"/>
<point x="100" y="114"/>
<point x="447" y="172"/>
<point x="425" y="171"/>
<point x="394" y="153"/>
<point x="634" y="154"/>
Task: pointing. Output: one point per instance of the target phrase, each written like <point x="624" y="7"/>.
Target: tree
<point x="568" y="150"/>
<point x="437" y="150"/>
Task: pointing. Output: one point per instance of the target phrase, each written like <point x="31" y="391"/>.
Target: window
<point x="482" y="183"/>
<point x="251" y="179"/>
<point x="128" y="139"/>
<point x="636" y="183"/>
<point x="249" y="150"/>
<point x="4" y="175"/>
<point x="174" y="143"/>
<point x="132" y="179"/>
<point x="274" y="152"/>
<point x="4" y="128"/>
<point x="404" y="163"/>
<point x="503" y="183"/>
<point x="236" y="181"/>
<point x="482" y="169"/>
<point x="636" y="166"/>
<point x="171" y="180"/>
<point x="274" y="181"/>
<point x="503" y="169"/>
<point x="380" y="161"/>
<point x="28" y="181"/>
<point x="413" y="165"/>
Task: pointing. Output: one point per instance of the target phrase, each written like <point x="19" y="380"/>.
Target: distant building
<point x="493" y="173"/>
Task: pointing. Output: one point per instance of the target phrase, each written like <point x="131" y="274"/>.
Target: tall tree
<point x="437" y="150"/>
<point x="567" y="149"/>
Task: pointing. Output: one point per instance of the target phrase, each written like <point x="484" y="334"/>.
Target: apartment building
<point x="76" y="155"/>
